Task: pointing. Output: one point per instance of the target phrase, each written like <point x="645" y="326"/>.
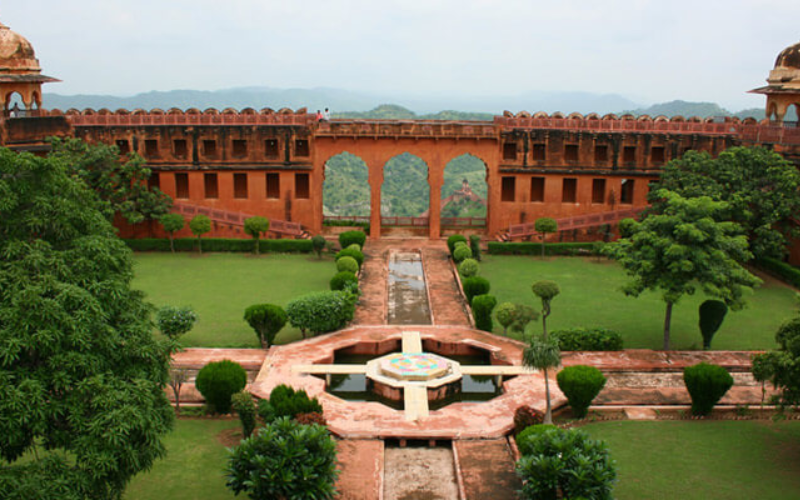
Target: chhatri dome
<point x="783" y="89"/>
<point x="20" y="72"/>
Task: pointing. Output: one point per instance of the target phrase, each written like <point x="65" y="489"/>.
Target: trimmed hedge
<point x="706" y="384"/>
<point x="588" y="339"/>
<point x="347" y="264"/>
<point x="341" y="279"/>
<point x="220" y="245"/>
<point x="219" y="381"/>
<point x="474" y="286"/>
<point x="461" y="253"/>
<point x="321" y="312"/>
<point x="453" y="239"/>
<point x="530" y="433"/>
<point x="529" y="248"/>
<point x="351" y="252"/>
<point x="580" y="384"/>
<point x="781" y="270"/>
<point x="284" y="401"/>
<point x="482" y="306"/>
<point x="468" y="268"/>
<point x="475" y="246"/>
<point x="347" y="238"/>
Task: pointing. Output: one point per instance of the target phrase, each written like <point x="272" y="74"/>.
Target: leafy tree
<point x="172" y="223"/>
<point x="284" y="459"/>
<point x="177" y="377"/>
<point x="200" y="225"/>
<point x="712" y="314"/>
<point x="121" y="184"/>
<point x="543" y="226"/>
<point x="254" y="226"/>
<point x="759" y="186"/>
<point x="82" y="378"/>
<point x="175" y="321"/>
<point x="684" y="248"/>
<point x="781" y="367"/>
<point x="543" y="354"/>
<point x="523" y="315"/>
<point x="546" y="291"/>
<point x="267" y="320"/>
<point x="505" y="314"/>
<point x="318" y="242"/>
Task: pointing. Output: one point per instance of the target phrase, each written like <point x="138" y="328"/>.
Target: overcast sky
<point x="649" y="51"/>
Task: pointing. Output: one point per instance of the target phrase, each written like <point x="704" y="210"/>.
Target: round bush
<point x="565" y="464"/>
<point x="482" y="306"/>
<point x="588" y="339"/>
<point x="284" y="459"/>
<point x="452" y="240"/>
<point x="531" y="432"/>
<point x="341" y="279"/>
<point x="348" y="238"/>
<point x="321" y="312"/>
<point x="220" y="380"/>
<point x="351" y="252"/>
<point x="706" y="384"/>
<point x="347" y="264"/>
<point x="461" y="253"/>
<point x="468" y="268"/>
<point x="580" y="384"/>
<point x="526" y="416"/>
<point x="354" y="246"/>
<point x="475" y="286"/>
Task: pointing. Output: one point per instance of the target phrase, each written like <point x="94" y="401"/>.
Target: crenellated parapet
<point x="406" y="129"/>
<point x="189" y="117"/>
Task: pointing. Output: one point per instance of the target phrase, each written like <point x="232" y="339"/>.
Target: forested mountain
<point x="701" y="109"/>
<point x="396" y="112"/>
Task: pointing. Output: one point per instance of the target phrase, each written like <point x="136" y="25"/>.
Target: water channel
<point x="408" y="296"/>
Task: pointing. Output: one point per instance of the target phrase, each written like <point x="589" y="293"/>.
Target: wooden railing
<point x="405" y="221"/>
<point x="348" y="218"/>
<point x="464" y="221"/>
<point x="280" y="227"/>
<point x="576" y="222"/>
<point x="412" y="221"/>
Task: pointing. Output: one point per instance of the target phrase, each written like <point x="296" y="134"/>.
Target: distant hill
<point x="701" y="109"/>
<point x="396" y="112"/>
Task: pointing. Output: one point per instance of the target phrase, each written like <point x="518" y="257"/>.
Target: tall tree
<point x="82" y="378"/>
<point x="684" y="248"/>
<point x="546" y="291"/>
<point x="543" y="226"/>
<point x="543" y="354"/>
<point x="759" y="186"/>
<point x="120" y="183"/>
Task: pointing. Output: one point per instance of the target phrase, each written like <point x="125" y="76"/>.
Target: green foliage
<point x="706" y="384"/>
<point x="254" y="226"/>
<point x="468" y="268"/>
<point x="345" y="190"/>
<point x="759" y="188"/>
<point x="505" y="314"/>
<point x="318" y="243"/>
<point x="218" y="381"/>
<point x="175" y="321"/>
<point x="172" y="223"/>
<point x="781" y="367"/>
<point x="565" y="464"/>
<point x="524" y="417"/>
<point x="529" y="433"/>
<point x="543" y="226"/>
<point x="588" y="339"/>
<point x="712" y="314"/>
<point x="82" y="377"/>
<point x="781" y="270"/>
<point x="284" y="401"/>
<point x="199" y="226"/>
<point x="355" y="246"/>
<point x="462" y="252"/>
<point x="321" y="312"/>
<point x="683" y="248"/>
<point x="405" y="191"/>
<point x="475" y="246"/>
<point x="475" y="286"/>
<point x="351" y="252"/>
<point x="120" y="184"/>
<point x="580" y="384"/>
<point x="543" y="354"/>
<point x="348" y="238"/>
<point x="482" y="306"/>
<point x="220" y="245"/>
<point x="453" y="239"/>
<point x="523" y="315"/>
<point x="341" y="280"/>
<point x="285" y="459"/>
<point x="347" y="264"/>
<point x="527" y="248"/>
<point x="546" y="290"/>
<point x="245" y="408"/>
<point x="266" y="320"/>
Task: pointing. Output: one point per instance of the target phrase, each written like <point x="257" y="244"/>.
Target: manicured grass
<point x="193" y="468"/>
<point x="703" y="459"/>
<point x="591" y="297"/>
<point x="220" y="286"/>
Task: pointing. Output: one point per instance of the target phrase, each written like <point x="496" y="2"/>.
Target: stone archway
<point x="346" y="193"/>
<point x="464" y="195"/>
<point x="405" y="194"/>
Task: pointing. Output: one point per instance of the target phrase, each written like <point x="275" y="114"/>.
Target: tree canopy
<point x="82" y="402"/>
<point x="759" y="186"/>
<point x="682" y="249"/>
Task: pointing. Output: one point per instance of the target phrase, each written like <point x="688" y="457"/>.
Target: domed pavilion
<point x="20" y="73"/>
<point x="783" y="90"/>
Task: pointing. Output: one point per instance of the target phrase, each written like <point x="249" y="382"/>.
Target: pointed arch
<point x="405" y="191"/>
<point x="464" y="192"/>
<point x="345" y="188"/>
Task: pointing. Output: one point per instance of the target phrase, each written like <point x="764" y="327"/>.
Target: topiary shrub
<point x="589" y="339"/>
<point x="565" y="464"/>
<point x="351" y="252"/>
<point x="482" y="306"/>
<point x="461" y="253"/>
<point x="452" y="240"/>
<point x="505" y="314"/>
<point x="528" y="434"/>
<point x="218" y="381"/>
<point x="475" y="286"/>
<point x="199" y="226"/>
<point x="284" y="459"/>
<point x="244" y="406"/>
<point x="706" y="384"/>
<point x="284" y="401"/>
<point x="321" y="312"/>
<point x="318" y="242"/>
<point x="475" y="246"/>
<point x="175" y="321"/>
<point x="712" y="314"/>
<point x="526" y="416"/>
<point x="354" y="246"/>
<point x="172" y="223"/>
<point x="341" y="279"/>
<point x="266" y="320"/>
<point x="347" y="264"/>
<point x="468" y="268"/>
<point x="580" y="384"/>
<point x="254" y="226"/>
<point x="348" y="238"/>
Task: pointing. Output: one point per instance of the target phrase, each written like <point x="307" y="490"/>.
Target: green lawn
<point x="703" y="459"/>
<point x="591" y="297"/>
<point x="220" y="286"/>
<point x="193" y="468"/>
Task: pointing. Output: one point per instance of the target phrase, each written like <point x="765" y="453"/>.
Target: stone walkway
<point x="487" y="469"/>
<point x="361" y="466"/>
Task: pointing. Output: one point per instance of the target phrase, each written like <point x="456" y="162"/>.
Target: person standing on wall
<point x="326" y="115"/>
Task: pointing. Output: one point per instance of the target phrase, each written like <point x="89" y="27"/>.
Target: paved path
<point x="487" y="469"/>
<point x="361" y="465"/>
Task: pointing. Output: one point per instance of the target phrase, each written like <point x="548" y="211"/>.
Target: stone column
<point x="435" y="181"/>
<point x="375" y="184"/>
